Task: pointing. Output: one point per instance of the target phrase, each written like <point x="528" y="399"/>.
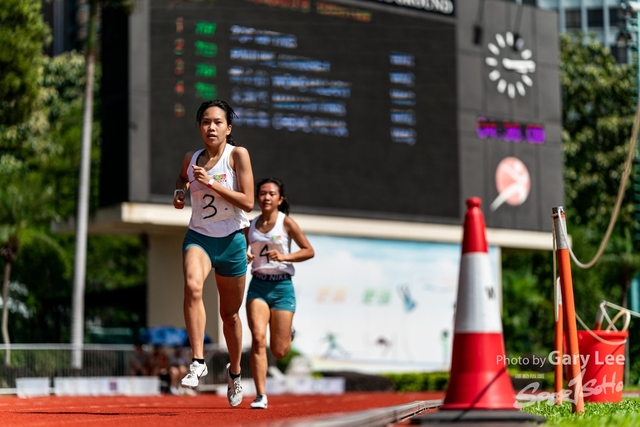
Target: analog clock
<point x="510" y="67"/>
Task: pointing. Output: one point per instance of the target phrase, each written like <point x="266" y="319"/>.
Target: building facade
<point x="382" y="120"/>
<point x="604" y="18"/>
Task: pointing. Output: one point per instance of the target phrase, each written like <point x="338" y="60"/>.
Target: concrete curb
<point x="380" y="417"/>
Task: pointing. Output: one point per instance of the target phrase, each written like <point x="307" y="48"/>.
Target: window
<point x="572" y="18"/>
<point x="616" y="17"/>
<point x="595" y="18"/>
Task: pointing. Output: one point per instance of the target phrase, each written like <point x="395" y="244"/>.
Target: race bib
<point x="260" y="250"/>
<point x="209" y="207"/>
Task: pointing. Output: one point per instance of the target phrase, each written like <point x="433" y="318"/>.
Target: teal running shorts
<point x="279" y="295"/>
<point x="228" y="254"/>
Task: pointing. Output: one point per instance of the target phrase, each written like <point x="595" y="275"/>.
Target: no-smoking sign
<point x="512" y="182"/>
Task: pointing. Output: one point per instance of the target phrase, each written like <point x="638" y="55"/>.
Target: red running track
<point x="189" y="411"/>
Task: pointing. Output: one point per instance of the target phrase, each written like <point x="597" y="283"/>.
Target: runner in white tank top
<point x="212" y="215"/>
<point x="274" y="239"/>
<point x="221" y="183"/>
<point x="271" y="299"/>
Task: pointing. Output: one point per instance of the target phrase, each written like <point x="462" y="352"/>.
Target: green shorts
<point x="278" y="295"/>
<point x="228" y="254"/>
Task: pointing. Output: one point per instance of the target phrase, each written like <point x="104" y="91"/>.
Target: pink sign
<point x="512" y="182"/>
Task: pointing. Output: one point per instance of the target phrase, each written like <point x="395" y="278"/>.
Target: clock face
<point x="510" y="66"/>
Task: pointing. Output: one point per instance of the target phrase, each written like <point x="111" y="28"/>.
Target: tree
<point x="22" y="34"/>
<point x="48" y="147"/>
<point x="39" y="160"/>
<point x="24" y="203"/>
<point x="598" y="100"/>
<point x="525" y="306"/>
<point x="23" y="133"/>
<point x="32" y="154"/>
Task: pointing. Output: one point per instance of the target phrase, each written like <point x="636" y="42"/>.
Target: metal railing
<point x="99" y="360"/>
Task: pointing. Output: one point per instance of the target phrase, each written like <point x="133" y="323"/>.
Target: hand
<point x="274" y="255"/>
<point x="200" y="175"/>
<point x="250" y="257"/>
<point x="178" y="199"/>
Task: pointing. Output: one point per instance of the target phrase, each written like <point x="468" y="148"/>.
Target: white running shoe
<point x="196" y="371"/>
<point x="234" y="388"/>
<point x="260" y="402"/>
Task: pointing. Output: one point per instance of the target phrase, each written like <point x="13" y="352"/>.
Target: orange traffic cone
<point x="479" y="386"/>
<point x="478" y="377"/>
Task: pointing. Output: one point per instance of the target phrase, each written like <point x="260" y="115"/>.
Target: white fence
<point x="99" y="360"/>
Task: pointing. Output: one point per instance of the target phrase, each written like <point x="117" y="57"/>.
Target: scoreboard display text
<point x="354" y="108"/>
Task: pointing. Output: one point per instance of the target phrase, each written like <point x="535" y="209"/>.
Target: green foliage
<point x="32" y="154"/>
<point x="598" y="107"/>
<point x="26" y="201"/>
<point x="126" y="5"/>
<point x="116" y="261"/>
<point x="598" y="99"/>
<point x="284" y="362"/>
<point x="527" y="302"/>
<point x="116" y="275"/>
<point x="41" y="101"/>
<point x="22" y="35"/>
<point x="33" y="150"/>
<point x="38" y="183"/>
<point x="634" y="369"/>
<point x="44" y="292"/>
<point x="423" y="381"/>
<point x="409" y="381"/>
<point x="523" y="380"/>
<point x="438" y="381"/>
<point x="64" y="75"/>
<point x="623" y="414"/>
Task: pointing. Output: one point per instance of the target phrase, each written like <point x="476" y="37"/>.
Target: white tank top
<point x="211" y="214"/>
<point x="276" y="238"/>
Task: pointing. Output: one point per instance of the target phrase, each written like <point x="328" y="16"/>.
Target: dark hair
<point x="284" y="206"/>
<point x="229" y="113"/>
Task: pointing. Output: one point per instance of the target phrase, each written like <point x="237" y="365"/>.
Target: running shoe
<point x="196" y="371"/>
<point x="260" y="402"/>
<point x="234" y="388"/>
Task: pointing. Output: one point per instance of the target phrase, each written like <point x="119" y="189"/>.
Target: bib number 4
<point x="263" y="253"/>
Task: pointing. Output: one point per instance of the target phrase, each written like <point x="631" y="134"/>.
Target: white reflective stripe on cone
<point x="477" y="309"/>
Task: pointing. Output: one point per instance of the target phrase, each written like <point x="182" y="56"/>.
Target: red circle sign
<point x="512" y="182"/>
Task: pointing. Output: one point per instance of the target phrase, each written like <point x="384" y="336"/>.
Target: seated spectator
<point x="178" y="369"/>
<point x="139" y="361"/>
<point x="160" y="367"/>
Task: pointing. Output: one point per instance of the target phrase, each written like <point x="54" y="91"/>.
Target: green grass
<point x="623" y="414"/>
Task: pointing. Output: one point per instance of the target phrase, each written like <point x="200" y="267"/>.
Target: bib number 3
<point x="207" y="209"/>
